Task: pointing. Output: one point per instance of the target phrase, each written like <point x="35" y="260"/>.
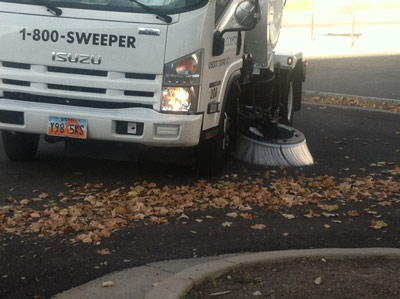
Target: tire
<point x="287" y="111"/>
<point x="211" y="153"/>
<point x="210" y="156"/>
<point x="20" y="146"/>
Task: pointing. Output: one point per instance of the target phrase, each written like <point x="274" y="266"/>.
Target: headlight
<point x="181" y="83"/>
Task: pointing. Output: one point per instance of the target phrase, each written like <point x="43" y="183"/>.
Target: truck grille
<point x="82" y="85"/>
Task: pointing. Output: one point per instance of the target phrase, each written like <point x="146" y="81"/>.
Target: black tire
<point x="20" y="146"/>
<point x="210" y="154"/>
<point x="287" y="111"/>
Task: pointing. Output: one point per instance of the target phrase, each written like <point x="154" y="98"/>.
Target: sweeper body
<point x="165" y="73"/>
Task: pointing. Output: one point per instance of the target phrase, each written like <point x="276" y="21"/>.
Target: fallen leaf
<point x="183" y="216"/>
<point x="329" y="208"/>
<point x="327" y="226"/>
<point x="107" y="284"/>
<point x="226" y="224"/>
<point x="311" y="214"/>
<point x="24" y="202"/>
<point x="318" y="281"/>
<point x="378" y="224"/>
<point x="232" y="215"/>
<point x="10" y="199"/>
<point x="120" y="210"/>
<point x="104" y="251"/>
<point x="353" y="213"/>
<point x="289" y="216"/>
<point x="246" y="216"/>
<point x="259" y="226"/>
<point x="35" y="215"/>
<point x="325" y="214"/>
<point x="43" y="195"/>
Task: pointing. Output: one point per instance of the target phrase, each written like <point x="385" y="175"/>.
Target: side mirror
<point x="245" y="15"/>
<point x="218" y="44"/>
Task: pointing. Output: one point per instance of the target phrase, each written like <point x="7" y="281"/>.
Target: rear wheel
<point x="287" y="110"/>
<point x="20" y="146"/>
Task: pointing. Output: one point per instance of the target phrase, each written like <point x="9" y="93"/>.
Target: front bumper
<point x="166" y="130"/>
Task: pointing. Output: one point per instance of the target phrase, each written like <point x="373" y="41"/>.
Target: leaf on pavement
<point x="43" y="195"/>
<point x="10" y="199"/>
<point x="232" y="215"/>
<point x="378" y="224"/>
<point x="104" y="251"/>
<point x="385" y="203"/>
<point x="289" y="216"/>
<point x="329" y="208"/>
<point x="107" y="284"/>
<point x="246" y="216"/>
<point x="353" y="213"/>
<point x="325" y="214"/>
<point x="226" y="224"/>
<point x="24" y="202"/>
<point x="318" y="281"/>
<point x="311" y="214"/>
<point x="258" y="226"/>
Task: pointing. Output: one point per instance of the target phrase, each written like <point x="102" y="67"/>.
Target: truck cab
<point x="154" y="72"/>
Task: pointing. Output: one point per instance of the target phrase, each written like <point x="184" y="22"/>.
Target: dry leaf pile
<point x="353" y="101"/>
<point x="92" y="212"/>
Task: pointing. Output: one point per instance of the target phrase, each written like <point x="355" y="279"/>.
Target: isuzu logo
<point x="76" y="58"/>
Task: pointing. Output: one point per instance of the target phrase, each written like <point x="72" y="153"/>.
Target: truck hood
<point x="87" y="40"/>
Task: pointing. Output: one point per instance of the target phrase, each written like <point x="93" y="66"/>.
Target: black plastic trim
<point x="26" y="97"/>
<point x="12" y="117"/>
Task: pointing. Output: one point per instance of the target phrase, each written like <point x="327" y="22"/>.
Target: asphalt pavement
<point x="344" y="142"/>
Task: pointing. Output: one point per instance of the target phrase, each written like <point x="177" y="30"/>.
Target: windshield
<point x="167" y="6"/>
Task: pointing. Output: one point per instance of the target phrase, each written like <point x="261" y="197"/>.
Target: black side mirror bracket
<point x="218" y="44"/>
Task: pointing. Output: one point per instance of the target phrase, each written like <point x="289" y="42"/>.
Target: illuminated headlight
<point x="181" y="84"/>
<point x="179" y="99"/>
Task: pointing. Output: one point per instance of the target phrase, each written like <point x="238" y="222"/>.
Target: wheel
<point x="287" y="110"/>
<point x="210" y="154"/>
<point x="20" y="146"/>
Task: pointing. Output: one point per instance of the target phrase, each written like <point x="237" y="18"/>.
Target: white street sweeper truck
<point x="165" y="73"/>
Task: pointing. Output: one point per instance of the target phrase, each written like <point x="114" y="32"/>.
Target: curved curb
<point x="372" y="100"/>
<point x="179" y="284"/>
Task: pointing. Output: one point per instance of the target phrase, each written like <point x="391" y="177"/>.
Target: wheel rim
<point x="289" y="104"/>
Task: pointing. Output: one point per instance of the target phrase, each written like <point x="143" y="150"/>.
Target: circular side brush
<point x="273" y="145"/>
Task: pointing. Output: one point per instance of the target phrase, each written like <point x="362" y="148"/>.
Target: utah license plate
<point x="67" y="127"/>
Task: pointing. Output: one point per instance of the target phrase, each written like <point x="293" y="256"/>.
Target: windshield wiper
<point x="50" y="8"/>
<point x="162" y="16"/>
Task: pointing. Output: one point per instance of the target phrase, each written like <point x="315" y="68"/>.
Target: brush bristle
<point x="269" y="154"/>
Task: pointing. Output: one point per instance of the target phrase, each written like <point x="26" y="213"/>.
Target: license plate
<point x="67" y="127"/>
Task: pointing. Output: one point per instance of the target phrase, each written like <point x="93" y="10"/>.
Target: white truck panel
<point x="101" y="123"/>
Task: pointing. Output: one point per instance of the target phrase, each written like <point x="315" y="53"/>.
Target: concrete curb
<point x="372" y="100"/>
<point x="179" y="284"/>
